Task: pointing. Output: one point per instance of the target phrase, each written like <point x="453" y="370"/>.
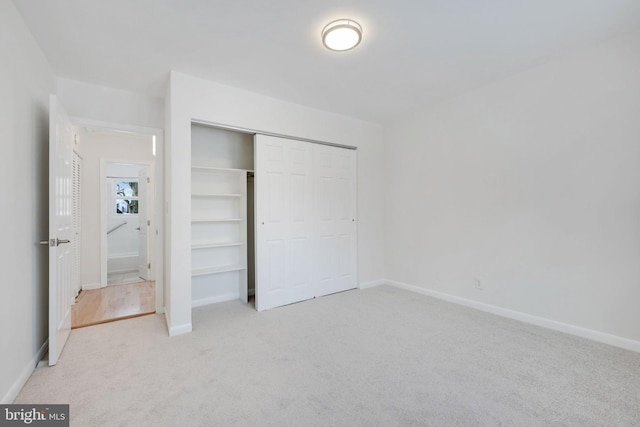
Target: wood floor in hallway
<point x="113" y="303"/>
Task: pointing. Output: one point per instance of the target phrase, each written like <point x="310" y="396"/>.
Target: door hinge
<point x="148" y="222"/>
<point x="148" y="180"/>
<point x="149" y="266"/>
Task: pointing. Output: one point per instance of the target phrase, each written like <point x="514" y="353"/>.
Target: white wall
<point x="108" y="146"/>
<point x="192" y="98"/>
<point x="531" y="185"/>
<point x="26" y="80"/>
<point x="90" y="101"/>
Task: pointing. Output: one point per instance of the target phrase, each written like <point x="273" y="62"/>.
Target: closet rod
<point x="277" y="135"/>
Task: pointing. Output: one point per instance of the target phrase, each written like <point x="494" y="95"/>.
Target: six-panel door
<point x="284" y="222"/>
<point x="305" y="221"/>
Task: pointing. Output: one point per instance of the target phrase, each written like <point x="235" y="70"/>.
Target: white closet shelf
<point x="205" y="220"/>
<point x="220" y="173"/>
<point x="214" y="169"/>
<point x="214" y="195"/>
<point x="215" y="245"/>
<point x="215" y="270"/>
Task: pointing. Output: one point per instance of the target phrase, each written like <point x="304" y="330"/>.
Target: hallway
<point x="115" y="302"/>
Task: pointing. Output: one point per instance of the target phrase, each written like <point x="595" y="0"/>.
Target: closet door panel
<point x="284" y="222"/>
<point x="335" y="228"/>
<point x="300" y="264"/>
<point x="276" y="264"/>
<point x="299" y="233"/>
<point x="346" y="203"/>
<point x="275" y="202"/>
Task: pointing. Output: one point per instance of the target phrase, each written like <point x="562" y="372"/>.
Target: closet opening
<point x="222" y="215"/>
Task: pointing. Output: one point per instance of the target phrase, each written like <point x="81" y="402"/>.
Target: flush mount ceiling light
<point x="342" y="34"/>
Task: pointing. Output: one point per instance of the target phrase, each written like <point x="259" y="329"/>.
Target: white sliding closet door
<point x="335" y="253"/>
<point x="284" y="221"/>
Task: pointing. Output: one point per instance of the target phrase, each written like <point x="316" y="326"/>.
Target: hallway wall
<point x="26" y="80"/>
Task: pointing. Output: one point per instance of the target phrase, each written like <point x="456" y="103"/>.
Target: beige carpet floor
<point x="377" y="357"/>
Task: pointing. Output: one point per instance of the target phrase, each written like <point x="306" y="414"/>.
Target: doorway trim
<point x="157" y="166"/>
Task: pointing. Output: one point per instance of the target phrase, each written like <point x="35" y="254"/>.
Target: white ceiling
<point x="414" y="52"/>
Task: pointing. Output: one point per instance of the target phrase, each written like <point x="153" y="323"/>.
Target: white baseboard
<point x="122" y="263"/>
<point x="122" y="271"/>
<point x="176" y="330"/>
<point x="90" y="286"/>
<point x="213" y="300"/>
<point x="602" y="337"/>
<point x="22" y="379"/>
<point x="167" y="322"/>
<point x="180" y="329"/>
<point x="371" y="284"/>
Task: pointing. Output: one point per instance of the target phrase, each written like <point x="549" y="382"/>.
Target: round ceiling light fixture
<point x="342" y="34"/>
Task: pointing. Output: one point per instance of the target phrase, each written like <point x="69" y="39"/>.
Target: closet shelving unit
<point x="218" y="232"/>
<point x="221" y="208"/>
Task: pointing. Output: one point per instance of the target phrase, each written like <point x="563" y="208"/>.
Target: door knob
<point x="54" y="242"/>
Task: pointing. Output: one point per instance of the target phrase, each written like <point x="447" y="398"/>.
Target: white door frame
<point x="156" y="236"/>
<point x="145" y="250"/>
<point x="77" y="210"/>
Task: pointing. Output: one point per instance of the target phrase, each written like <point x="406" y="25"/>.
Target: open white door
<point x="61" y="293"/>
<point x="144" y="223"/>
